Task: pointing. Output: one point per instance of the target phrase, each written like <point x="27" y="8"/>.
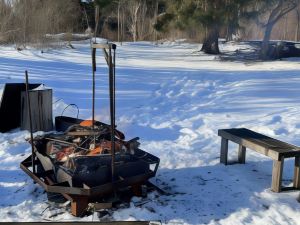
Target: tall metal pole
<point x="114" y="83"/>
<point x="97" y="17"/>
<point x="30" y="122"/>
<point x="93" y="97"/>
<point x="112" y="113"/>
<point x="111" y="61"/>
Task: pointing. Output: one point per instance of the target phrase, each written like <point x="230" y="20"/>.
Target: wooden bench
<point x="275" y="149"/>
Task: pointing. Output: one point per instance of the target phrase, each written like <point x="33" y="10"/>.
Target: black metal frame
<point x="44" y="179"/>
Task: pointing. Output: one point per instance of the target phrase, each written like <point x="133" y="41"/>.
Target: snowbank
<point x="175" y="99"/>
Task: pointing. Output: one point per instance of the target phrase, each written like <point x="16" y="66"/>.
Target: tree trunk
<point x="25" y="24"/>
<point x="135" y="24"/>
<point x="276" y="14"/>
<point x="297" y="27"/>
<point x="211" y="41"/>
<point x="134" y="11"/>
<point x="119" y="21"/>
<point x="285" y="28"/>
<point x="155" y="19"/>
<point x="265" y="43"/>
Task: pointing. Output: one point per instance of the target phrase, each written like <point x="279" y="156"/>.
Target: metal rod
<point x="114" y="83"/>
<point x="30" y="121"/>
<point x="112" y="116"/>
<point x="114" y="102"/>
<point x="93" y="83"/>
<point x="94" y="87"/>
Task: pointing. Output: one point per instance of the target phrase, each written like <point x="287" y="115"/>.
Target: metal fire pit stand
<point x="110" y="58"/>
<point x="80" y="197"/>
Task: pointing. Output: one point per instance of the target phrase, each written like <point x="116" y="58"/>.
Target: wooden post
<point x="277" y="174"/>
<point x="297" y="173"/>
<point x="78" y="205"/>
<point x="242" y="154"/>
<point x="224" y="151"/>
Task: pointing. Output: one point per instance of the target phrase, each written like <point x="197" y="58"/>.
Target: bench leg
<point x="297" y="173"/>
<point x="224" y="151"/>
<point x="242" y="154"/>
<point x="277" y="174"/>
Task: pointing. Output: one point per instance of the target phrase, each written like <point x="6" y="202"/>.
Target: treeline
<point x="29" y="21"/>
<point x="242" y="20"/>
<point x="205" y="21"/>
<point x="34" y="21"/>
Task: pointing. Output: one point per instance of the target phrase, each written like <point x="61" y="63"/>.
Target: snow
<point x="1" y="90"/>
<point x="175" y="99"/>
<point x="40" y="88"/>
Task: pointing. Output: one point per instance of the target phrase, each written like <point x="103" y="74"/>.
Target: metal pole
<point x="114" y="84"/>
<point x="93" y="97"/>
<point x="114" y="101"/>
<point x="93" y="100"/>
<point x="112" y="114"/>
<point x="30" y="122"/>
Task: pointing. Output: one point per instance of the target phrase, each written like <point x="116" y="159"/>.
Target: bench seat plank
<point x="260" y="143"/>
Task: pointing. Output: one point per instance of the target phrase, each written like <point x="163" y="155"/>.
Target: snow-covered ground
<point x="175" y="99"/>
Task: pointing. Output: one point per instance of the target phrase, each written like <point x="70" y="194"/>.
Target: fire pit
<point x="90" y="159"/>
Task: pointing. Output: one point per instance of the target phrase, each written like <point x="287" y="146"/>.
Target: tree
<point x="279" y="10"/>
<point x="134" y="17"/>
<point x="297" y="21"/>
<point x="103" y="7"/>
<point x="134" y="7"/>
<point x="211" y="16"/>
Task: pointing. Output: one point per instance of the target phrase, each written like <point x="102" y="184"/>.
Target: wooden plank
<point x="261" y="139"/>
<point x="242" y="154"/>
<point x="249" y="144"/>
<point x="103" y="45"/>
<point x="224" y="151"/>
<point x="101" y="205"/>
<point x="277" y="174"/>
<point x="297" y="173"/>
<point x="275" y="153"/>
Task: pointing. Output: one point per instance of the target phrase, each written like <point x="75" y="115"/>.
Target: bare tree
<point x="29" y="21"/>
<point x="133" y="8"/>
<point x="281" y="8"/>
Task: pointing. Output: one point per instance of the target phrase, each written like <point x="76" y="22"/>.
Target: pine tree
<point x="211" y="16"/>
